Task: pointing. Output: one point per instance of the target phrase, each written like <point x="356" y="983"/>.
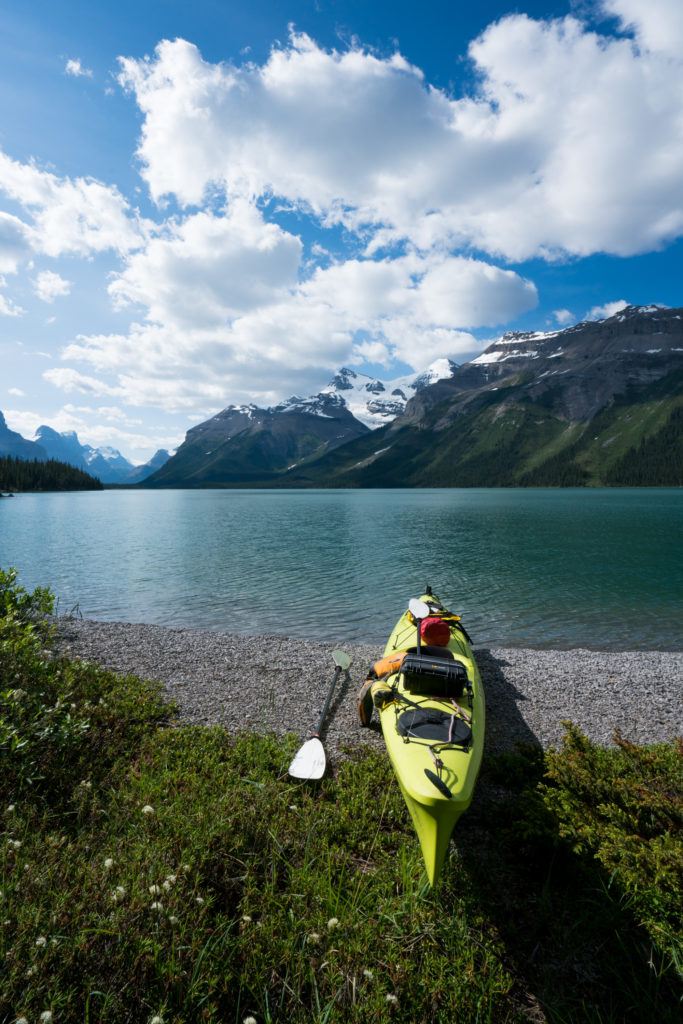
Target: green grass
<point x="243" y="893"/>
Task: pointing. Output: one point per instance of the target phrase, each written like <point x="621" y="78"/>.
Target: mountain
<point x="106" y="464"/>
<point x="244" y="444"/>
<point x="597" y="403"/>
<point x="12" y="443"/>
<point x="159" y="459"/>
<point x="375" y="402"/>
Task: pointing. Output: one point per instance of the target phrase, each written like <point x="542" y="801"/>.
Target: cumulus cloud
<point x="17" y="392"/>
<point x="49" y="286"/>
<point x="657" y="24"/>
<point x="563" y="317"/>
<point x="227" y="313"/>
<point x="609" y="309"/>
<point x="75" y="68"/>
<point x="15" y="242"/>
<point x="545" y="158"/>
<point x="80" y="216"/>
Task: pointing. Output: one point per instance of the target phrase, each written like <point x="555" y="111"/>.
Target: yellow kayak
<point x="432" y="712"/>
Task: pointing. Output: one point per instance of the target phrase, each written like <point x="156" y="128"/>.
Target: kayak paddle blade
<point x="309" y="762"/>
<point x="341" y="660"/>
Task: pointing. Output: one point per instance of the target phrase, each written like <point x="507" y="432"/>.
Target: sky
<point x="217" y="203"/>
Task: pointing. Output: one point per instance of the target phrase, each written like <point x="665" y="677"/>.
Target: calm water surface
<point x="561" y="568"/>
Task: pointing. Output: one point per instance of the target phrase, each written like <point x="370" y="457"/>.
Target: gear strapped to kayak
<point x="427" y="692"/>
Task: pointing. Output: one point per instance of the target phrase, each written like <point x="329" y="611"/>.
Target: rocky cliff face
<point x="12" y="443"/>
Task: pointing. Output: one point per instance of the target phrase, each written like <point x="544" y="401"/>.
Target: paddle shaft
<point x="326" y="707"/>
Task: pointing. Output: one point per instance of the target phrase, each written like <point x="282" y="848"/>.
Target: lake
<point x="546" y="568"/>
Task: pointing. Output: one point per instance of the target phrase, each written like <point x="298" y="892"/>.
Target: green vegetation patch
<point x="149" y="871"/>
<point x="50" y="475"/>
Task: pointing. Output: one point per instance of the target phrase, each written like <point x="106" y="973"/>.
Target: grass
<point x="149" y="870"/>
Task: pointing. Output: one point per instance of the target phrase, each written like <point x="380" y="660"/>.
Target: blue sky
<point x="213" y="203"/>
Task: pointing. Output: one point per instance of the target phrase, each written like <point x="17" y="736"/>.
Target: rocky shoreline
<point x="278" y="684"/>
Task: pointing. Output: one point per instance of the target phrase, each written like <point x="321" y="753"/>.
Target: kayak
<point x="431" y="708"/>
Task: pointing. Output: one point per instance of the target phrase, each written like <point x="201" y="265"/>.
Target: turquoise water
<point x="560" y="568"/>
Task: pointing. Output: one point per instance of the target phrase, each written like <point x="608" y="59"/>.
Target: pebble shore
<point x="273" y="683"/>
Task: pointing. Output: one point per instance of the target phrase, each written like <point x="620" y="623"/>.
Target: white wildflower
<point x="198" y="899"/>
<point x="108" y="862"/>
<point x="157" y="1020"/>
<point x="314" y="937"/>
<point x="148" y="809"/>
<point x="154" y="890"/>
<point x="21" y="1020"/>
<point x="293" y="807"/>
<point x="45" y="1017"/>
<point x="118" y="894"/>
<point x="246" y="918"/>
<point x="157" y="905"/>
<point x="391" y="998"/>
<point x="10" y="808"/>
<point x="186" y="868"/>
<point x="173" y="920"/>
<point x="249" y="1020"/>
<point x="171" y="879"/>
<point x="18" y="694"/>
<point x="332" y="923"/>
<point x="41" y="941"/>
<point x="368" y="974"/>
<point x="85" y="784"/>
<point x="14" y="843"/>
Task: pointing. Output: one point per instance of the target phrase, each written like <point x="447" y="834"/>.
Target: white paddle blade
<point x="309" y="762"/>
<point x="341" y="660"/>
<point x="418" y="609"/>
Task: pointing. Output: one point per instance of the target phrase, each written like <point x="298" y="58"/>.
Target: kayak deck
<point x="435" y="813"/>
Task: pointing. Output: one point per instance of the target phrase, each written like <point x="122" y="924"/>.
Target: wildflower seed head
<point x="249" y="1020"/>
<point x="332" y="923"/>
<point x="391" y="998"/>
<point x="166" y="885"/>
<point x="10" y="808"/>
<point x="171" y="879"/>
<point x="246" y="918"/>
<point x="41" y="941"/>
<point x="108" y="863"/>
<point x="154" y="890"/>
<point x="186" y="868"/>
<point x="21" y="1020"/>
<point x="198" y="899"/>
<point x="157" y="1020"/>
<point x="368" y="974"/>
<point x="173" y="920"/>
<point x="314" y="937"/>
<point x="118" y="894"/>
<point x="148" y="809"/>
<point x="45" y="1017"/>
<point x="157" y="905"/>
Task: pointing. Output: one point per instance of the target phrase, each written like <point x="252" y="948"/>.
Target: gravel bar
<point x="274" y="683"/>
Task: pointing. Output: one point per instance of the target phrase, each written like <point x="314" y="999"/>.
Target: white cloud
<point x="7" y="307"/>
<point x="563" y="317"/>
<point x="15" y="243"/>
<point x="69" y="215"/>
<point x="546" y="157"/>
<point x="70" y="380"/>
<point x="75" y="68"/>
<point x="48" y="286"/>
<point x="17" y="392"/>
<point x="227" y="317"/>
<point x="658" y="24"/>
<point x="609" y="309"/>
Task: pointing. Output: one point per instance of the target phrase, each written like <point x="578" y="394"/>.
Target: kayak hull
<point x="433" y="813"/>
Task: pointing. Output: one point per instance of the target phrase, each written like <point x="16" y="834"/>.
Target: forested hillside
<point x="25" y="475"/>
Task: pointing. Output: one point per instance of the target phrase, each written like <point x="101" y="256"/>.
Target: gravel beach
<point x="279" y="684"/>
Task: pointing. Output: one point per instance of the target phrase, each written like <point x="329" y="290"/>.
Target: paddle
<point x="419" y="610"/>
<point x="309" y="762"/>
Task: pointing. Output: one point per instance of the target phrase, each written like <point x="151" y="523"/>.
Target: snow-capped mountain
<point x="375" y="402"/>
<point x="106" y="463"/>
